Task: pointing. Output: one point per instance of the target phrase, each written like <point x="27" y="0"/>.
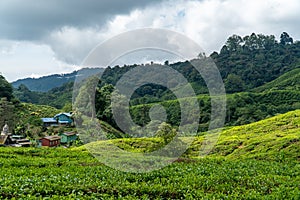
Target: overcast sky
<point x="41" y="37"/>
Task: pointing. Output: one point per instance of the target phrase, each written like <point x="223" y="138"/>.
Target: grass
<point x="74" y="174"/>
<point x="272" y="139"/>
<point x="255" y="161"/>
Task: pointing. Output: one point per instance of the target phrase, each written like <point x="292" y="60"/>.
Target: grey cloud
<point x="32" y="19"/>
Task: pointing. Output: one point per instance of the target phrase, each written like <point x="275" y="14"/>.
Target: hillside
<point x="288" y="81"/>
<point x="241" y="108"/>
<point x="275" y="139"/>
<point x="56" y="97"/>
<point x="244" y="63"/>
<point x="46" y="83"/>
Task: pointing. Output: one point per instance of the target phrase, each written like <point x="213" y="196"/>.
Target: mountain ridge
<point x="46" y="83"/>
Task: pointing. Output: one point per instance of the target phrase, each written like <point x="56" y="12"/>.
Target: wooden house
<point x="20" y="141"/>
<point x="59" y="119"/>
<point x="68" y="137"/>
<point x="49" y="122"/>
<point x="50" y="141"/>
<point x="64" y="118"/>
<point x="24" y="142"/>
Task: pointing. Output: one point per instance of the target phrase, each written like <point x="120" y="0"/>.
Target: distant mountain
<point x="46" y="83"/>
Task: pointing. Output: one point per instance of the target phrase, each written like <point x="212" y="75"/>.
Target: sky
<point x="42" y="37"/>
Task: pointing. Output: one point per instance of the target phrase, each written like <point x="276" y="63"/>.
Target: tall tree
<point x="5" y="89"/>
<point x="7" y="113"/>
<point x="285" y="39"/>
<point x="234" y="43"/>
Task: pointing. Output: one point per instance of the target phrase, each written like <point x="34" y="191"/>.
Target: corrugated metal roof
<point x="67" y="114"/>
<point x="22" y="140"/>
<point x="69" y="133"/>
<point x="63" y="122"/>
<point x="48" y="120"/>
<point x="53" y="137"/>
<point x="25" y="143"/>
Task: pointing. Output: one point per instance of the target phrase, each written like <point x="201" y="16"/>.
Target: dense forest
<point x="247" y="65"/>
<point x="260" y="75"/>
<point x="8" y="103"/>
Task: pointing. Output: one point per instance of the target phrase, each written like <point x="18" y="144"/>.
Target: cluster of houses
<point x="56" y="140"/>
<point x="6" y="138"/>
<point x="61" y="119"/>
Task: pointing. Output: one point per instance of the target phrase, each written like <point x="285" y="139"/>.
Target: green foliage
<point x="166" y="131"/>
<point x="288" y="81"/>
<point x="241" y="108"/>
<point x="276" y="139"/>
<point x="28" y="121"/>
<point x="5" y="89"/>
<point x="285" y="39"/>
<point x="244" y="63"/>
<point x="103" y="102"/>
<point x="255" y="161"/>
<point x="56" y="97"/>
<point x="234" y="83"/>
<point x="7" y="113"/>
<point x="256" y="59"/>
<point x="8" y="104"/>
<point x="58" y="173"/>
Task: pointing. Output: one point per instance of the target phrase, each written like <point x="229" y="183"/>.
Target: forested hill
<point x="244" y="63"/>
<point x="288" y="81"/>
<point x="46" y="83"/>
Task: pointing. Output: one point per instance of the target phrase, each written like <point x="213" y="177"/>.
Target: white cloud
<point x="26" y="59"/>
<point x="208" y="22"/>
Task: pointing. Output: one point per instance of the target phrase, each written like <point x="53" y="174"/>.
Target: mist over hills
<point x="46" y="83"/>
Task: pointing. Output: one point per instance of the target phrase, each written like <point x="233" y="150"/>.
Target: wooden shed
<point x="68" y="137"/>
<point x="50" y="141"/>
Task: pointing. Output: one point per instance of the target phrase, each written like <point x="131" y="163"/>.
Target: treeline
<point x="241" y="108"/>
<point x="8" y="104"/>
<point x="46" y="83"/>
<point x="58" y="97"/>
<point x="244" y="63"/>
<point x="21" y="118"/>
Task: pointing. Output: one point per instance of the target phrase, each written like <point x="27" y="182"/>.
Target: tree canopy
<point x="6" y="89"/>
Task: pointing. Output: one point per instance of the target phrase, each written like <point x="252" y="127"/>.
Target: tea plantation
<point x="255" y="161"/>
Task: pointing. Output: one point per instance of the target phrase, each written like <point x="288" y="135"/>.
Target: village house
<point x="50" y="141"/>
<point x="7" y="139"/>
<point x="64" y="119"/>
<point x="49" y="122"/>
<point x="68" y="137"/>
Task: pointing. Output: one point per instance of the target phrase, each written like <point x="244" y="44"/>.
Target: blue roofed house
<point x="68" y="137"/>
<point x="49" y="121"/>
<point x="64" y="118"/>
<point x="59" y="119"/>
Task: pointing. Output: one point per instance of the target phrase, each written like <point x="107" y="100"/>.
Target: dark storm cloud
<point x="31" y="19"/>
